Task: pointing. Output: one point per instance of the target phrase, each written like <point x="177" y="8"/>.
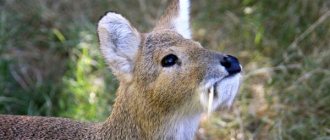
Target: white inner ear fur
<point x="181" y="23"/>
<point x="119" y="43"/>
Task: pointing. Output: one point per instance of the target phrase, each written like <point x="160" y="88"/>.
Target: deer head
<point x="165" y="72"/>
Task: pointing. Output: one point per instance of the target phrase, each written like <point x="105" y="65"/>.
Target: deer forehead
<point x="161" y="43"/>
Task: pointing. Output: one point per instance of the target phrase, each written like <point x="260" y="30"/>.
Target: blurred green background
<point x="50" y="63"/>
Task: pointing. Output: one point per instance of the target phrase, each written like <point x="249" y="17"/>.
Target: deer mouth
<point x="220" y="92"/>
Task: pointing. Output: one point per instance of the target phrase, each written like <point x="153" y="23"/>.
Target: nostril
<point x="231" y="64"/>
<point x="225" y="62"/>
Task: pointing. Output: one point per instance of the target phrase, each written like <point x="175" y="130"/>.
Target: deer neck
<point x="133" y="118"/>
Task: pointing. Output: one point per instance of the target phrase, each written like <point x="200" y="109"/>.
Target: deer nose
<point x="231" y="64"/>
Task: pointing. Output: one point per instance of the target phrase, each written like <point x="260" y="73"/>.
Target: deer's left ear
<point x="176" y="18"/>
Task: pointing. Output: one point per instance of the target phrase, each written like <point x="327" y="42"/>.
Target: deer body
<point x="165" y="79"/>
<point x="27" y="127"/>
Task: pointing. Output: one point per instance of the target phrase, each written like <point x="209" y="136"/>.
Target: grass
<point x="50" y="64"/>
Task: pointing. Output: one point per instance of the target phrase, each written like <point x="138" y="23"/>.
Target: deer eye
<point x="169" y="60"/>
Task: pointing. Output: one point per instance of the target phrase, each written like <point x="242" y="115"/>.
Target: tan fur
<point x="153" y="102"/>
<point x="26" y="127"/>
<point x="171" y="11"/>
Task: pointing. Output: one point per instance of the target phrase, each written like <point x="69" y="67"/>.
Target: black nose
<point x="231" y="64"/>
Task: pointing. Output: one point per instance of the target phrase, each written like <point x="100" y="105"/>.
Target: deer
<point x="166" y="82"/>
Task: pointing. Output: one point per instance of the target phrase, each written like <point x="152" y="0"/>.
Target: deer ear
<point x="176" y="18"/>
<point x="119" y="43"/>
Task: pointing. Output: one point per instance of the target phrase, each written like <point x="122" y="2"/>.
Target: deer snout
<point x="231" y="64"/>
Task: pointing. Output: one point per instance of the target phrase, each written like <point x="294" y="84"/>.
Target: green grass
<point x="50" y="64"/>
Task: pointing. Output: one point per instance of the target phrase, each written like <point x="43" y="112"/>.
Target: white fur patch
<point x="182" y="125"/>
<point x="226" y="90"/>
<point x="181" y="23"/>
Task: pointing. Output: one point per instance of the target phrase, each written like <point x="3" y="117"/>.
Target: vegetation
<point x="50" y="64"/>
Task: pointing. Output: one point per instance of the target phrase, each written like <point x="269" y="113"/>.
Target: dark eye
<point x="169" y="60"/>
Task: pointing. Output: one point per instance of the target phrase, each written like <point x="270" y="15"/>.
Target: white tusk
<point x="211" y="95"/>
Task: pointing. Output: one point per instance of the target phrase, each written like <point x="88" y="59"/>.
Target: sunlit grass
<point x="85" y="85"/>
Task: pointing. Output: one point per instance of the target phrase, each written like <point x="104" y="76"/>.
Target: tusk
<point x="211" y="95"/>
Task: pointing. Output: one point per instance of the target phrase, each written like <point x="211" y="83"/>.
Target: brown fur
<point x="153" y="102"/>
<point x="26" y="127"/>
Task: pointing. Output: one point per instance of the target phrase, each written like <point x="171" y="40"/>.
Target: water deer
<point x="167" y="81"/>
